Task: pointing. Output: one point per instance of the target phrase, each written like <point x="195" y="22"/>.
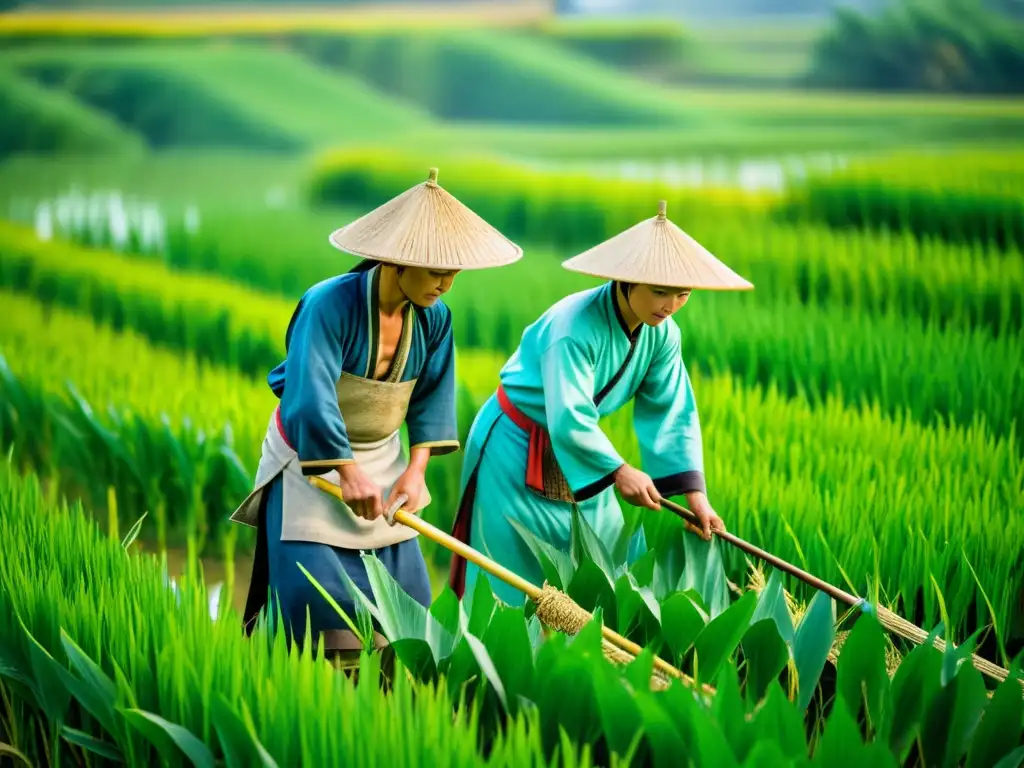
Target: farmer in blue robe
<point x="367" y="352"/>
<point x="535" y="448"/>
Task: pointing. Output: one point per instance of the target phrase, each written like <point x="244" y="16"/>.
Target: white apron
<point x="373" y="412"/>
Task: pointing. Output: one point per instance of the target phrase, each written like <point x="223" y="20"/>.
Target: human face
<point x="425" y="286"/>
<point x="654" y="304"/>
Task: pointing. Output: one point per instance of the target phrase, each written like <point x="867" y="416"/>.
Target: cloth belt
<point x="540" y="441"/>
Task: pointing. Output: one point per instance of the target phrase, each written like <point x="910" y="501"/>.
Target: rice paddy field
<point x="168" y="180"/>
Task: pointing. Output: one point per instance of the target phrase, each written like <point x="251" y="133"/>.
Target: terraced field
<point x="861" y="409"/>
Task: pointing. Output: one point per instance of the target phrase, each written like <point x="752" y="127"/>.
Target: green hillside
<point x="488" y="76"/>
<point x="36" y="120"/>
<point x="237" y="94"/>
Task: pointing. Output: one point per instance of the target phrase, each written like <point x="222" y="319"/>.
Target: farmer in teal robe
<point x="535" y="448"/>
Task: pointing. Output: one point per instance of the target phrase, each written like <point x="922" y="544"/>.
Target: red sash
<point x="462" y="527"/>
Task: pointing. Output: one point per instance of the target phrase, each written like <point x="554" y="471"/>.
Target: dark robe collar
<point x="613" y="295"/>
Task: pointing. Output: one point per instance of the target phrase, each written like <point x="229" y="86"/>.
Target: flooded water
<point x="215" y="573"/>
<point x="751" y="174"/>
<point x="108" y="218"/>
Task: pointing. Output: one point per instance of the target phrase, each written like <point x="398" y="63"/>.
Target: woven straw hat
<point x="426" y="227"/>
<point x="657" y="252"/>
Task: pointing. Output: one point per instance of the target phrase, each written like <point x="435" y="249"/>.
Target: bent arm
<point x="310" y="415"/>
<point x="431" y="418"/>
<point x="667" y="424"/>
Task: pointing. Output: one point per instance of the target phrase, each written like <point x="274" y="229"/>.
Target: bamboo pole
<point x="888" y="619"/>
<point x="396" y="514"/>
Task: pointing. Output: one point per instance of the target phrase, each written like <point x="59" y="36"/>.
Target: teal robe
<point x="577" y="363"/>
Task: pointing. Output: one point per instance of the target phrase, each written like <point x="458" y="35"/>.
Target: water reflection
<point x="751" y="174"/>
<point x="105" y="218"/>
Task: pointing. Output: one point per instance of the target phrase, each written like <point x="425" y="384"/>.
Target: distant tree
<point x="922" y="45"/>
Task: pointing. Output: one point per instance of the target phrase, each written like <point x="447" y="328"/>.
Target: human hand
<point x="637" y="487"/>
<point x="361" y="494"/>
<point x="709" y="519"/>
<point x="410" y="484"/>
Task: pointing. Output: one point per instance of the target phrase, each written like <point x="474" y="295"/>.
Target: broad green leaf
<point x="638" y="671"/>
<point x="508" y="646"/>
<point x="705" y="572"/>
<point x="862" y="679"/>
<point x="766" y="656"/>
<point x="661" y="731"/>
<point x="721" y="637"/>
<point x="643" y="569"/>
<point x="963" y="702"/>
<point x="13" y="665"/>
<point x="1001" y="725"/>
<point x="169" y="738"/>
<point x="620" y="716"/>
<point x="486" y="664"/>
<point x="841" y="743"/>
<point x="54" y="695"/>
<point x="767" y="754"/>
<point x="730" y="714"/>
<point x="401" y="617"/>
<point x="914" y="686"/>
<point x="91" y="743"/>
<point x="778" y="720"/>
<point x="564" y="668"/>
<point x="556" y="565"/>
<point x="811" y="644"/>
<point x="637" y="611"/>
<point x="1013" y="760"/>
<point x="587" y="546"/>
<point x="481" y="609"/>
<point x="771" y="603"/>
<point x="591" y="589"/>
<point x="417" y="656"/>
<point x="445" y="608"/>
<point x="93" y="689"/>
<point x="681" y="623"/>
<point x="242" y="747"/>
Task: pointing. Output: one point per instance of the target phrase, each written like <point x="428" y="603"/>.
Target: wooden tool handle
<point x="768" y="557"/>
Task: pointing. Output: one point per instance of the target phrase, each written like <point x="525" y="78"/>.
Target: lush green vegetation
<point x="922" y="45"/>
<point x="191" y="469"/>
<point x="38" y="121"/>
<point x="956" y="197"/>
<point x="861" y="409"/>
<point x="80" y="685"/>
<point x="239" y="95"/>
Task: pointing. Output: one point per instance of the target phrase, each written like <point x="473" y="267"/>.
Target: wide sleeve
<point x="667" y="424"/>
<point x="431" y="417"/>
<point x="310" y="415"/>
<point x="584" y="453"/>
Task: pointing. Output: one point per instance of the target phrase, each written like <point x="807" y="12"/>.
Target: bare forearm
<point x="418" y="458"/>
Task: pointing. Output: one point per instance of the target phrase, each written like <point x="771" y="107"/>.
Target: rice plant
<point x="104" y="662"/>
<point x="974" y="196"/>
<point x="943" y="374"/>
<point x="862" y="498"/>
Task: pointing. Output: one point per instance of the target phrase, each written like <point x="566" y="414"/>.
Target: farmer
<point x="535" y="448"/>
<point x="366" y="351"/>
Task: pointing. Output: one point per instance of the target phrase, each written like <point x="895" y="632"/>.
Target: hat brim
<point x="517" y="254"/>
<point x="740" y="283"/>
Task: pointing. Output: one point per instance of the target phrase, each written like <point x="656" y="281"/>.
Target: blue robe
<point x="335" y="328"/>
<point x="577" y="363"/>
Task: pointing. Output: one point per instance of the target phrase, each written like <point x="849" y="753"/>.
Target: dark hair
<point x="365" y="265"/>
<point x="625" y="287"/>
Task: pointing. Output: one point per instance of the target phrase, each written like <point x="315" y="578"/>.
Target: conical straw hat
<point x="426" y="227"/>
<point x="657" y="252"/>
